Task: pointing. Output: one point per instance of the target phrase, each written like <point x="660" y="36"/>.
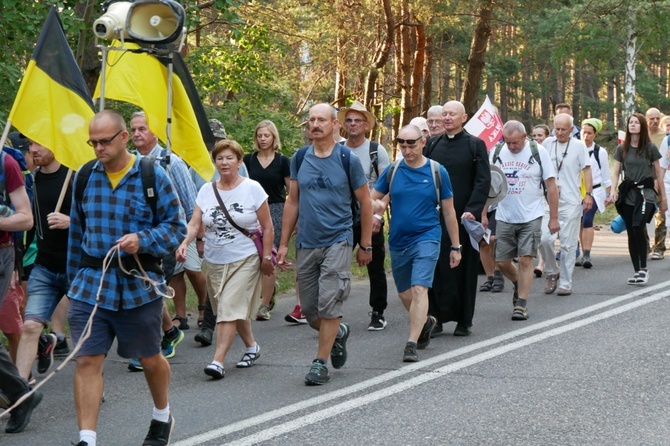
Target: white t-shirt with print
<point x="568" y="160"/>
<point x="525" y="199"/>
<point x="223" y="243"/>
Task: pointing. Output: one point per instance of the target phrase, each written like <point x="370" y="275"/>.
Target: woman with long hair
<point x="636" y="197"/>
<point x="272" y="170"/>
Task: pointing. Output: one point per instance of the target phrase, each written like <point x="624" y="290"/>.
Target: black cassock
<point x="452" y="297"/>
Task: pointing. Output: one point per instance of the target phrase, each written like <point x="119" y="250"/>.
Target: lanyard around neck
<point x="559" y="166"/>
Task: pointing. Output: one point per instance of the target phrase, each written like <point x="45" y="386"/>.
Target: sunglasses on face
<point x="406" y="141"/>
<point x="103" y="142"/>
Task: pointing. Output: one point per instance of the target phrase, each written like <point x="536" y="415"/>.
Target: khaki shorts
<point x="324" y="280"/>
<point x="234" y="289"/>
<point x="517" y="239"/>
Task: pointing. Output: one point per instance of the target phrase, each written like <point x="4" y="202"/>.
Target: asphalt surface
<point x="587" y="369"/>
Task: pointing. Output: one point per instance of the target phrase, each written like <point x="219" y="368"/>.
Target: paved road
<point x="591" y="369"/>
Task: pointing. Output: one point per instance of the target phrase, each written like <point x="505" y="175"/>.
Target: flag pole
<point x="63" y="191"/>
<point x="5" y="132"/>
<point x="103" y="72"/>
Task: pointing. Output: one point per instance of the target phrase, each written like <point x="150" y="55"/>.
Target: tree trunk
<point x="631" y="60"/>
<point x="381" y="56"/>
<point x="476" y="59"/>
<point x="406" y="59"/>
<point x="86" y="53"/>
<point x="416" y="80"/>
<point x="427" y="77"/>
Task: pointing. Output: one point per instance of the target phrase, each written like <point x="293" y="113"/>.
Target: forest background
<point x="272" y="59"/>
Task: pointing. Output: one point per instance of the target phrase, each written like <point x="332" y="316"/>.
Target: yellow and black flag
<point x="53" y="106"/>
<point x="141" y="79"/>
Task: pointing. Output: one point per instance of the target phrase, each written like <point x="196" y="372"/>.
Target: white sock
<point x="89" y="437"/>
<point x="162" y="415"/>
<point x="217" y="363"/>
<point x="255" y="349"/>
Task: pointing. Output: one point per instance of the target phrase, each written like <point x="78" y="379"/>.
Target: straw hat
<point x="357" y="106"/>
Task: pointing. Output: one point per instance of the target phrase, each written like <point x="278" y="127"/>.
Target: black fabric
<point x="642" y="212"/>
<point x="51" y="243"/>
<point x="271" y="178"/>
<point x="376" y="270"/>
<point x="452" y="297"/>
<point x="637" y="238"/>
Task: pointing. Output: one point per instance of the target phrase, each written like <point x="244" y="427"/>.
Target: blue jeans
<point x="45" y="290"/>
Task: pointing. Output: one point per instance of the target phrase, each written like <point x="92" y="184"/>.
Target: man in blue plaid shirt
<point x="113" y="211"/>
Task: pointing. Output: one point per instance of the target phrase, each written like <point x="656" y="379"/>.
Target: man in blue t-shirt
<point x="320" y="202"/>
<point x="415" y="235"/>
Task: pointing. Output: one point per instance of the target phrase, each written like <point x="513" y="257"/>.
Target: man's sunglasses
<point x="406" y="141"/>
<point x="103" y="142"/>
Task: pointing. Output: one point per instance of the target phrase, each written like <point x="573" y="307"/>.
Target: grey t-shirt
<point x="324" y="210"/>
<point x="363" y="154"/>
<point x="638" y="168"/>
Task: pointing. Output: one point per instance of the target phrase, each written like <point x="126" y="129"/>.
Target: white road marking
<point x="429" y="375"/>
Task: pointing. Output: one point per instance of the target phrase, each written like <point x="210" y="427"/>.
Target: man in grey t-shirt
<point x="320" y="202"/>
<point x="357" y="123"/>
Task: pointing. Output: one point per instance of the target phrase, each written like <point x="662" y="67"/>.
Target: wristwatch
<point x="268" y="258"/>
<point x="590" y="194"/>
<point x="367" y="249"/>
<point x="378" y="217"/>
<point x="457" y="248"/>
<point x="199" y="239"/>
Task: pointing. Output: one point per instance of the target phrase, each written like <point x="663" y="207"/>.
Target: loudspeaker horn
<point x="155" y="21"/>
<point x="112" y="24"/>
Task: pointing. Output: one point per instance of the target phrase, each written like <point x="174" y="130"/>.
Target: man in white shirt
<point x="569" y="158"/>
<point x="519" y="214"/>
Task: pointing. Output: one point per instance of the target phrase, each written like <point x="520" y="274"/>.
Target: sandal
<point x="215" y="371"/>
<point x="497" y="285"/>
<point x="538" y="272"/>
<point x="486" y="286"/>
<point x="183" y="322"/>
<point x="249" y="358"/>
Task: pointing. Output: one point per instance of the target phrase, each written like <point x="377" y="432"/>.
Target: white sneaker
<point x="633" y="280"/>
<point x="642" y="277"/>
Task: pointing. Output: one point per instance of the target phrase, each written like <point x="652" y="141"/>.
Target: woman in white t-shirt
<point x="602" y="184"/>
<point x="231" y="261"/>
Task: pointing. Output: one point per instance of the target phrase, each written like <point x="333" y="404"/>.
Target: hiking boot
<point x="45" y="352"/>
<point x="263" y="313"/>
<point x="410" y="354"/>
<point x="134" y="365"/>
<point x="159" y="433"/>
<point x="20" y="416"/>
<point x="296" y="316"/>
<point x="338" y="354"/>
<point x="318" y="374"/>
<point x="204" y="336"/>
<point x="424" y="337"/>
<point x="377" y="321"/>
<point x="169" y="343"/>
<point x="551" y="283"/>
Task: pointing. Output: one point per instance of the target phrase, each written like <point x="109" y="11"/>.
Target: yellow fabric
<point x="141" y="79"/>
<point x="53" y="116"/>
<point x="582" y="187"/>
<point x="116" y="177"/>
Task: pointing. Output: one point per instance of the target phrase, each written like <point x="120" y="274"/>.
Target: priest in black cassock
<point x="452" y="297"/>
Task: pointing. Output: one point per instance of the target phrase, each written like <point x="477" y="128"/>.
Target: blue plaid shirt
<point x="181" y="179"/>
<point x="109" y="215"/>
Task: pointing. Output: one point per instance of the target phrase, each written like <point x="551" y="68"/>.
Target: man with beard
<point x="452" y="297"/>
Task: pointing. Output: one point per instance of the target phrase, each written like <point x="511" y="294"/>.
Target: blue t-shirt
<point x="415" y="217"/>
<point x="324" y="212"/>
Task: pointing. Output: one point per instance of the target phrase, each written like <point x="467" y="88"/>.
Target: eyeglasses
<point x="356" y="120"/>
<point x="406" y="141"/>
<point x="103" y="142"/>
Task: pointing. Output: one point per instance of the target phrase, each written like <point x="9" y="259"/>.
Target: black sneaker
<point x="204" y="337"/>
<point x="159" y="433"/>
<point x="410" y="354"/>
<point x="45" y="352"/>
<point x="437" y="331"/>
<point x="20" y="417"/>
<point x="318" y="374"/>
<point x="81" y="443"/>
<point x="61" y="348"/>
<point x="338" y="354"/>
<point x="377" y="321"/>
<point x="424" y="337"/>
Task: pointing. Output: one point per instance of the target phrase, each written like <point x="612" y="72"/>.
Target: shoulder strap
<point x="473" y="148"/>
<point x="428" y="149"/>
<point x="82" y="180"/>
<point x="148" y="174"/>
<point x="437" y="180"/>
<point x="374" y="157"/>
<point x="225" y="211"/>
<point x="3" y="187"/>
<point x="299" y="157"/>
<point x="390" y="174"/>
<point x="596" y="149"/>
<point x="535" y="153"/>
